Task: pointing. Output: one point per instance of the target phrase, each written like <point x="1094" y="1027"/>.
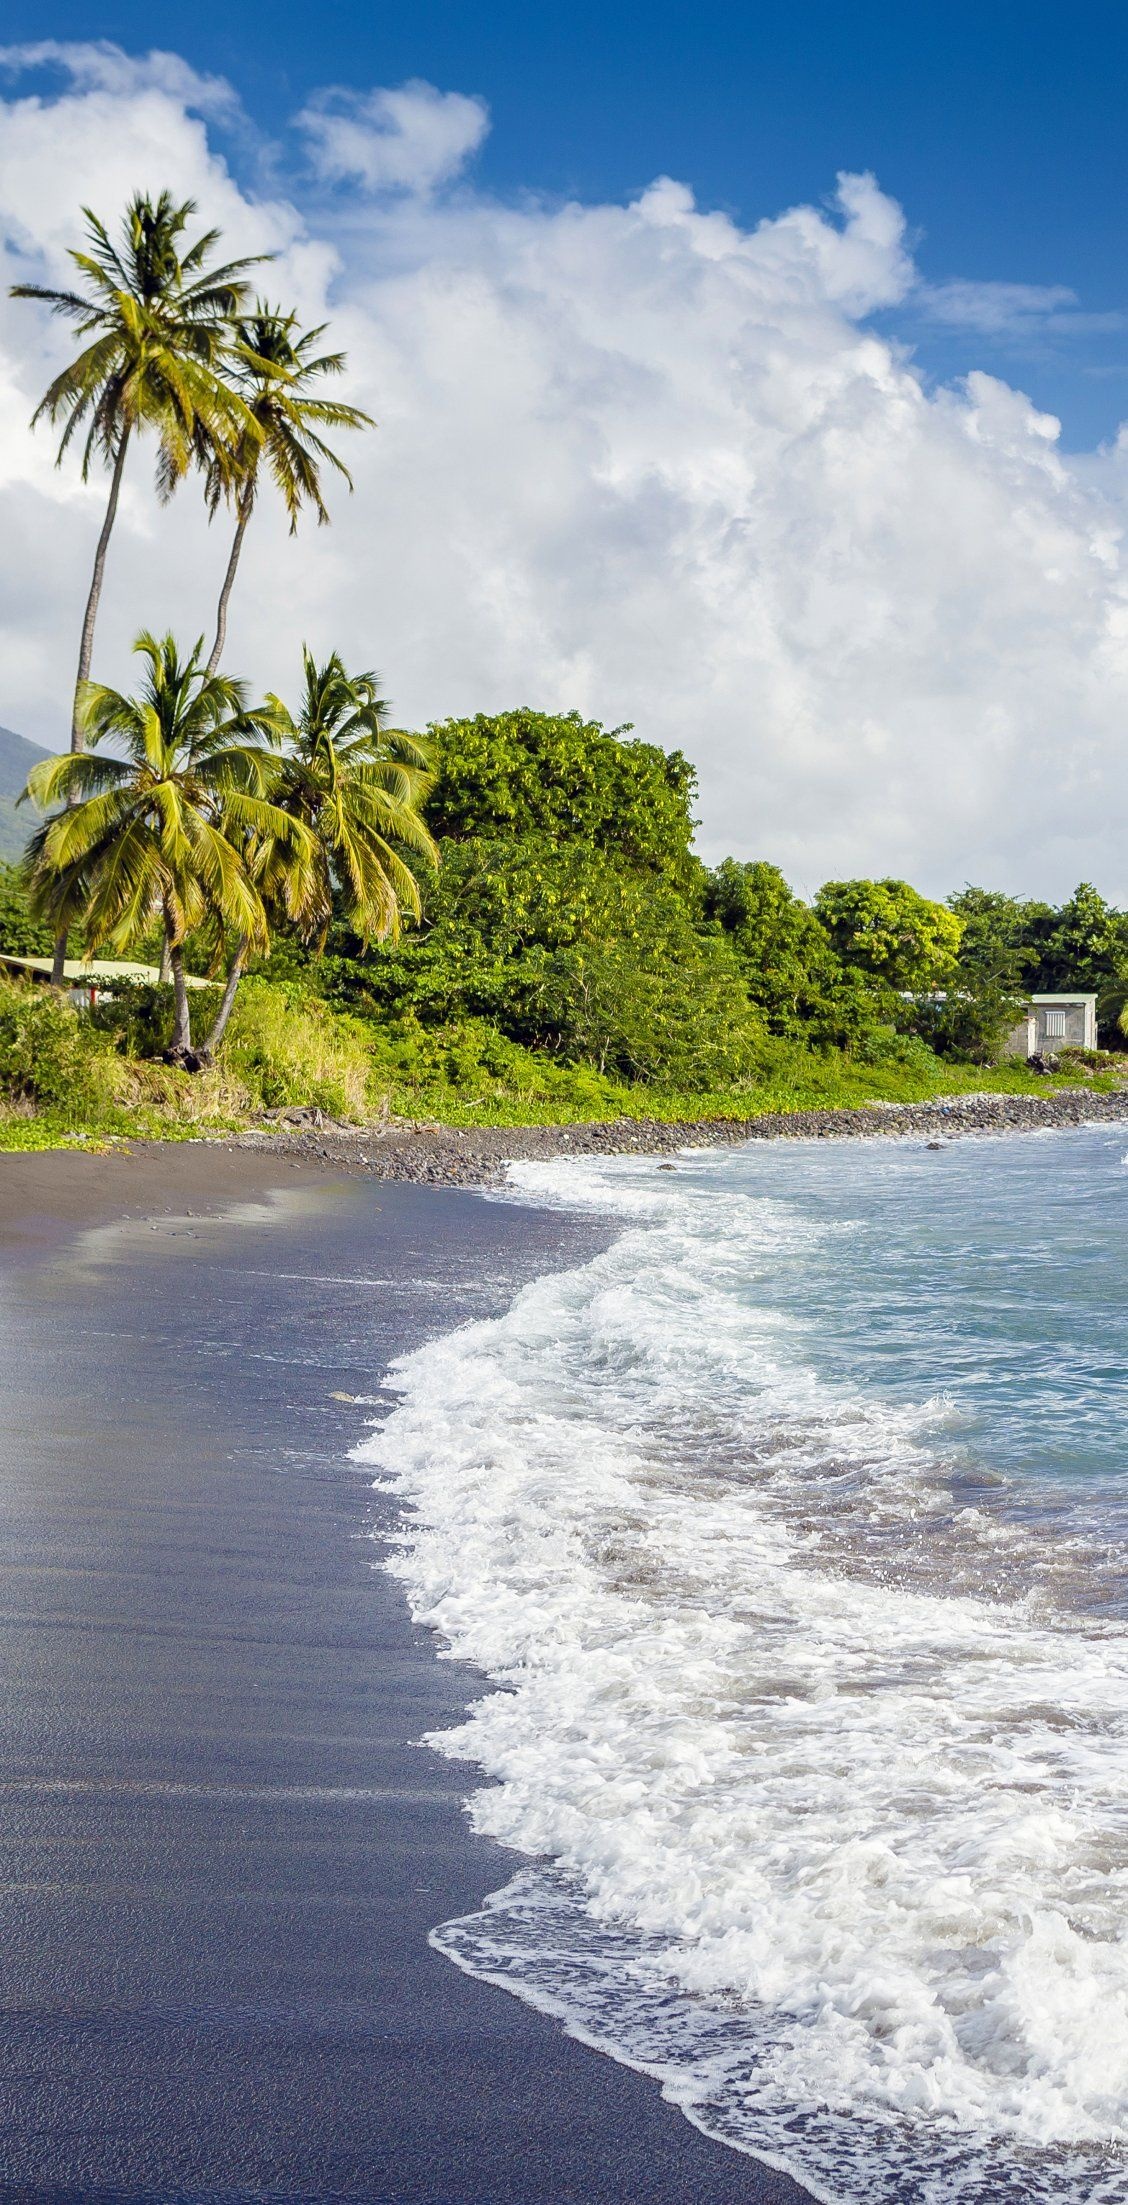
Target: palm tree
<point x="161" y="833"/>
<point x="153" y="319"/>
<point x="273" y="367"/>
<point x="357" y="786"/>
<point x="156" y="318"/>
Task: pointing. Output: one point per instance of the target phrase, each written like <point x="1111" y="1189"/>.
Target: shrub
<point x="51" y="1054"/>
<point x="285" y="1047"/>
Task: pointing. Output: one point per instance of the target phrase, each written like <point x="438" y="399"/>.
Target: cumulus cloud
<point x="410" y="139"/>
<point x="99" y="65"/>
<point x="635" y="458"/>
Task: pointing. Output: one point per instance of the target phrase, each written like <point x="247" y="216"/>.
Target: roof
<point x="1064" y="995"/>
<point x="99" y="971"/>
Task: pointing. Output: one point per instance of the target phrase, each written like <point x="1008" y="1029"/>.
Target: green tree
<point x="1000" y="933"/>
<point x="529" y="773"/>
<point x="1086" y="946"/>
<point x="789" y="967"/>
<point x="356" y="787"/>
<point x="20" y="934"/>
<point x="153" y="318"/>
<point x="884" y="928"/>
<point x="275" y="367"/>
<point x="160" y="834"/>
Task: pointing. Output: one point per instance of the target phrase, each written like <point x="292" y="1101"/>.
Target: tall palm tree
<point x="357" y="786"/>
<point x="160" y="834"/>
<point x="155" y="317"/>
<point x="274" y="367"/>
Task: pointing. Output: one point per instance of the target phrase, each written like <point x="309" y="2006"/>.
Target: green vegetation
<point x="571" y="958"/>
<point x="501" y="919"/>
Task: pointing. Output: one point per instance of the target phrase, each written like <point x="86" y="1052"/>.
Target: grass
<point x="843" y="1087"/>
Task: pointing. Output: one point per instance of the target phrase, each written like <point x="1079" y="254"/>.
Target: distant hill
<point x="17" y="757"/>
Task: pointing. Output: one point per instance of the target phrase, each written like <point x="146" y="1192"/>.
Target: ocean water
<point x="794" y="1528"/>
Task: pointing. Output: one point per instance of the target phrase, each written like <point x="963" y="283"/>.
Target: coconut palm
<point x="153" y="317"/>
<point x="161" y="834"/>
<point x="274" y="367"/>
<point x="357" y="786"/>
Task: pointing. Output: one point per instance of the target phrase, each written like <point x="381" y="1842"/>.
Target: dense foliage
<point x="571" y="949"/>
<point x="565" y="778"/>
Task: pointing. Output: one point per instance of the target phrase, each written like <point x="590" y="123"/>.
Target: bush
<point x="472" y="1064"/>
<point x="139" y="1015"/>
<point x="283" y="1047"/>
<point x="51" y="1054"/>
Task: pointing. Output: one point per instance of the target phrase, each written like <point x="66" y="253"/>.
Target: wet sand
<point x="222" y="1851"/>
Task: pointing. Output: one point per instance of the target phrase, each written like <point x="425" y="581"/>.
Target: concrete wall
<point x="1054" y="1022"/>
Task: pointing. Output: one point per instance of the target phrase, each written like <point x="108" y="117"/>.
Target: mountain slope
<point x="17" y="756"/>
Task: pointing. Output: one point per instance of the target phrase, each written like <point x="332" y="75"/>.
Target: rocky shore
<point x="477" y="1156"/>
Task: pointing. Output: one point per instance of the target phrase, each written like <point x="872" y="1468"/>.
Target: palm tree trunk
<point x="180" y="1049"/>
<point x="228" y="584"/>
<point x="234" y="975"/>
<point x="86" y="646"/>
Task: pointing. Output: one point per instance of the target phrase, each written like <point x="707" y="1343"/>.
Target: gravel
<point x="477" y="1156"/>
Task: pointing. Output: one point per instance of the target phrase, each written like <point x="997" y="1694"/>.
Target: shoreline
<point x="429" y="1154"/>
<point x="226" y="1851"/>
<point x="45" y="1193"/>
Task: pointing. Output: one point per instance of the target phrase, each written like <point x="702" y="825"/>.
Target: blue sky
<point x="999" y="127"/>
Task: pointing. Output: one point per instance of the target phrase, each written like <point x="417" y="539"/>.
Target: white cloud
<point x="637" y="459"/>
<point x="411" y="139"/>
<point x="1011" y="309"/>
<point x="99" y="65"/>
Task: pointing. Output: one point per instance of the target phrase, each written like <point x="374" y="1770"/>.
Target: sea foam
<point x="821" y="1777"/>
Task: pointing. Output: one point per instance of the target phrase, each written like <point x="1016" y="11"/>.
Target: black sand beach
<point x="222" y="1852"/>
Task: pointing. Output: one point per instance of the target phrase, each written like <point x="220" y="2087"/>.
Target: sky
<point x="754" y="376"/>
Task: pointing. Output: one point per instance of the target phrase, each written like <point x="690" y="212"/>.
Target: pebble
<point x="453" y="1156"/>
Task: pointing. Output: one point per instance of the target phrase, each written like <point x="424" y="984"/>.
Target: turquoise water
<point x="991" y="1271"/>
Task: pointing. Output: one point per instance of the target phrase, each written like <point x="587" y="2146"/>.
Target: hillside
<point x="17" y="756"/>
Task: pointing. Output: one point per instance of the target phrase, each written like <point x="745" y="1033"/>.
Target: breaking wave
<point x="812" y="1733"/>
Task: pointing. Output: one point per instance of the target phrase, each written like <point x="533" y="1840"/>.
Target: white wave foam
<point x="842" y="1860"/>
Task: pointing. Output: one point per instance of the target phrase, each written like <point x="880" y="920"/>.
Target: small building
<point x="1052" y="1023"/>
<point x="89" y="981"/>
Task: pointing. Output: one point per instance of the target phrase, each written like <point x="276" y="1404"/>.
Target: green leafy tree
<point x="572" y="951"/>
<point x="529" y="773"/>
<point x="789" y="967"/>
<point x="277" y="371"/>
<point x="1000" y="933"/>
<point x="885" y="929"/>
<point x="356" y="787"/>
<point x="20" y="934"/>
<point x="160" y="833"/>
<point x="1086" y="946"/>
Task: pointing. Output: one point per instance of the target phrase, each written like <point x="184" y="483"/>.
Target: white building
<point x="1054" y="1022"/>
